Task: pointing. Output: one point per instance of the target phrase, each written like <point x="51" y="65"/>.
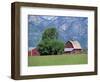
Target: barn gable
<point x="72" y="45"/>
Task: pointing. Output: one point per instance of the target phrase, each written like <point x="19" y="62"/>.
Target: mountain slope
<point x="68" y="28"/>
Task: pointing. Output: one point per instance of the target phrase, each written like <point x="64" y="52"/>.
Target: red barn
<point x="72" y="46"/>
<point x="33" y="52"/>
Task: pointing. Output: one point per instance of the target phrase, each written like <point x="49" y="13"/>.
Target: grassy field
<point x="57" y="60"/>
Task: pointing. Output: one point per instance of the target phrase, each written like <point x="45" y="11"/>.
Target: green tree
<point x="49" y="44"/>
<point x="57" y="47"/>
<point x="50" y="33"/>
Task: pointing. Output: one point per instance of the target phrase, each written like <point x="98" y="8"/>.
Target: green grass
<point x="57" y="60"/>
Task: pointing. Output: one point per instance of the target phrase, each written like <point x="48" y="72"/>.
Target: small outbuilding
<point x="72" y="46"/>
<point x="33" y="52"/>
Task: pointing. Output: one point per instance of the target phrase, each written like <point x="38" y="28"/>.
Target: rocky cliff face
<point x="68" y="28"/>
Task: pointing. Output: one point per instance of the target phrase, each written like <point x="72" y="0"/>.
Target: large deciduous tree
<point x="49" y="44"/>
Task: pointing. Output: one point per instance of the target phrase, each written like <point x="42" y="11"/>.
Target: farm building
<point x="33" y="52"/>
<point x="72" y="46"/>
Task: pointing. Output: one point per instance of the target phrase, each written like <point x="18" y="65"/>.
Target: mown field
<point x="69" y="59"/>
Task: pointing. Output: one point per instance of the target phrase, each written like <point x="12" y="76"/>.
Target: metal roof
<point x="75" y="44"/>
<point x="30" y="48"/>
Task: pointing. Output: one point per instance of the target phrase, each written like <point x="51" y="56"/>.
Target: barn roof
<point x="75" y="44"/>
<point x="30" y="48"/>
